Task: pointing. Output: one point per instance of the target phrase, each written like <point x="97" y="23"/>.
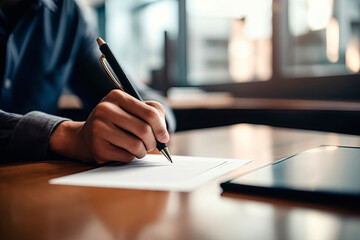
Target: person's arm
<point x="26" y="137"/>
<point x="118" y="129"/>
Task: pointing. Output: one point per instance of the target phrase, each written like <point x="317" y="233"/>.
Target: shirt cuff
<point x="30" y="139"/>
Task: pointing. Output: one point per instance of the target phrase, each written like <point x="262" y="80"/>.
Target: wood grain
<point x="31" y="208"/>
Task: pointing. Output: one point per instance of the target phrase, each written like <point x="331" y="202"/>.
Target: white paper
<point x="154" y="172"/>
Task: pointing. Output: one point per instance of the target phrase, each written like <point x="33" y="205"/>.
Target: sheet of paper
<point x="154" y="172"/>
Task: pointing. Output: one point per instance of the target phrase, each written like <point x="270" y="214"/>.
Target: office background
<point x="279" y="63"/>
<point x="263" y="49"/>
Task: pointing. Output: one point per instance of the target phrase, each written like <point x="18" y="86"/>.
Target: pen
<point x="126" y="85"/>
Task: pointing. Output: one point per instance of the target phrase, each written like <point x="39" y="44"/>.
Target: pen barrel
<point x="160" y="146"/>
<point x="115" y="66"/>
<point x="124" y="81"/>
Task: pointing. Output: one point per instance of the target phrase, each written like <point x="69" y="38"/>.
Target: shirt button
<point x="7" y="83"/>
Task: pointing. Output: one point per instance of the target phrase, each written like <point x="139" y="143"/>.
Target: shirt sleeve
<point x="26" y="137"/>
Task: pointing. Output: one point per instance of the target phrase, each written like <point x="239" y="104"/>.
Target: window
<point x="229" y="41"/>
<point x="136" y="33"/>
<point x="320" y="38"/>
<point x="257" y="48"/>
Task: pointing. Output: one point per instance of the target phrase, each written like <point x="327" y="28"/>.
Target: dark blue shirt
<point x="49" y="48"/>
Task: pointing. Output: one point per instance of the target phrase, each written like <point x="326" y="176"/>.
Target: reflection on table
<point x="33" y="209"/>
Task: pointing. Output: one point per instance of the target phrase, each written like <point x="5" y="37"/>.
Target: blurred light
<point x="332" y="40"/>
<point x="239" y="49"/>
<point x="248" y="57"/>
<point x="263" y="60"/>
<point x="223" y="47"/>
<point x="243" y="136"/>
<point x="352" y="57"/>
<point x="319" y="13"/>
<point x="241" y="60"/>
<point x="331" y="148"/>
<point x="313" y="225"/>
<point x="297" y="17"/>
<point x="217" y="9"/>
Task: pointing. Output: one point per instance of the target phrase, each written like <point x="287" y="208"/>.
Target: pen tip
<point x="166" y="153"/>
<point x="100" y="41"/>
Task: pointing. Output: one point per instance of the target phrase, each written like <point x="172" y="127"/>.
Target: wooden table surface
<point x="31" y="208"/>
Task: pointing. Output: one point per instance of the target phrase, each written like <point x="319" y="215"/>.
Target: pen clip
<point x="102" y="61"/>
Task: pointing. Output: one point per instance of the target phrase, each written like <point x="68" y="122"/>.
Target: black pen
<point x="126" y="85"/>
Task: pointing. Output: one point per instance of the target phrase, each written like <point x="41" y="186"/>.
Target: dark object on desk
<point x="327" y="174"/>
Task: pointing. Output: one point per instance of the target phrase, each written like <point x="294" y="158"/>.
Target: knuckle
<point x="152" y="115"/>
<point x="138" y="145"/>
<point x="118" y="95"/>
<point x="114" y="93"/>
<point x="97" y="112"/>
<point x="101" y="109"/>
<point x="145" y="130"/>
<point x="139" y="149"/>
<point x="159" y="107"/>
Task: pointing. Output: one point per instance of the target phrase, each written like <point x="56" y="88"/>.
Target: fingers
<point x="157" y="106"/>
<point x="111" y="153"/>
<point x="121" y="123"/>
<point x="121" y="128"/>
<point x="110" y="143"/>
<point x="113" y="125"/>
<point x="150" y="112"/>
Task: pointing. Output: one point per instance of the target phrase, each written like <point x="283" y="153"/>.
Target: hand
<point x="119" y="128"/>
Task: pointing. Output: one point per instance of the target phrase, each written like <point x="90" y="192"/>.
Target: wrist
<point x="65" y="140"/>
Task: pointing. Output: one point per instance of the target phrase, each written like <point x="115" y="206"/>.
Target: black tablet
<point x="327" y="174"/>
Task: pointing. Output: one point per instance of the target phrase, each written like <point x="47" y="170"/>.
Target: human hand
<point x="119" y="128"/>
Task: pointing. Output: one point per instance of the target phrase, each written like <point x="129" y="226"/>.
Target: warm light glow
<point x="332" y="40"/>
<point x="352" y="57"/>
<point x="239" y="49"/>
<point x="263" y="60"/>
<point x="241" y="53"/>
<point x="331" y="148"/>
<point x="319" y="13"/>
<point x="248" y="58"/>
<point x="241" y="64"/>
<point x="313" y="224"/>
<point x="243" y="136"/>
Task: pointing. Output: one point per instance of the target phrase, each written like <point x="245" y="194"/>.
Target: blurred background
<point x="230" y="57"/>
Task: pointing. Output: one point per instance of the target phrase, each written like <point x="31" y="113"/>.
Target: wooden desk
<point x="30" y="208"/>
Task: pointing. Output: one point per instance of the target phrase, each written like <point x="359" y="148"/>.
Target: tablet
<point x="327" y="174"/>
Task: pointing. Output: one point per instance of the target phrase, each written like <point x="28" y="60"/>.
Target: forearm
<point x="26" y="137"/>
